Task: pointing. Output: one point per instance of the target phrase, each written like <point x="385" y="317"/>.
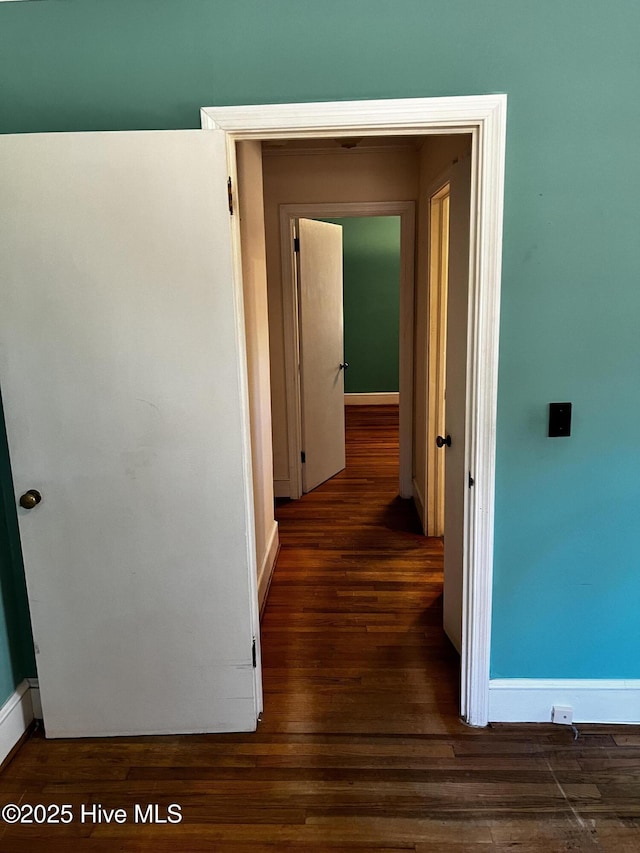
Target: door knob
<point x="344" y="365"/>
<point x="440" y="441"/>
<point x="30" y="499"/>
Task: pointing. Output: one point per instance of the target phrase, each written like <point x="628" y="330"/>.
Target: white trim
<point x="406" y="346"/>
<point x="487" y="200"/>
<point x="282" y="488"/>
<point x="267" y="565"/>
<point x="288" y="215"/>
<point x="373" y="398"/>
<point x="245" y="421"/>
<point x="484" y="117"/>
<point x="392" y="117"/>
<point x="291" y="343"/>
<point x="16" y="715"/>
<point x="529" y="700"/>
<point x="36" y="704"/>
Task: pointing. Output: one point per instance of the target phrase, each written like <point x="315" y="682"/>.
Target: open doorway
<point x="284" y="308"/>
<point x="380" y="174"/>
<point x="308" y="173"/>
<point x="483" y="117"/>
<point x="406" y="167"/>
<point x="371" y="267"/>
<point x="318" y="249"/>
<point x="347" y="288"/>
<point x="368" y="287"/>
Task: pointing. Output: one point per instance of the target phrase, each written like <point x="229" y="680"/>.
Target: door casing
<point x="484" y="118"/>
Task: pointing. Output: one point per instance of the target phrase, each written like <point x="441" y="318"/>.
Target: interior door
<point x="121" y="368"/>
<point x="433" y="521"/>
<point x="321" y="350"/>
<point x="456" y="473"/>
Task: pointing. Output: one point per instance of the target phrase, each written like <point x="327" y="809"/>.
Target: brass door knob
<point x="30" y="499"/>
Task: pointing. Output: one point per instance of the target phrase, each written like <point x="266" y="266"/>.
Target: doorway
<point x="289" y="213"/>
<point x="305" y="172"/>
<point x="318" y="250"/>
<point x="484" y="118"/>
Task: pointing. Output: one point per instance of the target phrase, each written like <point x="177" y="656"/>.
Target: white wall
<point x="254" y="276"/>
<point x="333" y="175"/>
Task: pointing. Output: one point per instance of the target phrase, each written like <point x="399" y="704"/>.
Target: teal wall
<point x="16" y="648"/>
<point x="567" y="565"/>
<point x="371" y="252"/>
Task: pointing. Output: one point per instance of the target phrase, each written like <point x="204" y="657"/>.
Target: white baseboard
<point x="419" y="502"/>
<point x="265" y="572"/>
<point x="16" y="715"/>
<point x="529" y="700"/>
<point x="379" y="398"/>
<point x="282" y="488"/>
<point x="36" y="704"/>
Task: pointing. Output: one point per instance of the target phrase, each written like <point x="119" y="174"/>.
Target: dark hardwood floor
<point x="360" y="747"/>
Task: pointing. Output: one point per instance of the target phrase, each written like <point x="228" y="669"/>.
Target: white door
<point x="321" y="351"/>
<point x="456" y="473"/>
<point x="122" y="375"/>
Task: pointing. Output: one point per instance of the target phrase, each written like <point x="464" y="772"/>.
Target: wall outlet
<point x="562" y="714"/>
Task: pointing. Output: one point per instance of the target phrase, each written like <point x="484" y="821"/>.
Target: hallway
<point x="352" y="630"/>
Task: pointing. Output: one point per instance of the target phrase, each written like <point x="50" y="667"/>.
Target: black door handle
<point x="440" y="441"/>
<point x="344" y="365"/>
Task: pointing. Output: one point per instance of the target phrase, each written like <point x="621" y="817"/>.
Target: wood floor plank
<point x="360" y="747"/>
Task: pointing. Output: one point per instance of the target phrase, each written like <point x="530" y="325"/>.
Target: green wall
<point x="16" y="648"/>
<point x="371" y="252"/>
<point x="567" y="570"/>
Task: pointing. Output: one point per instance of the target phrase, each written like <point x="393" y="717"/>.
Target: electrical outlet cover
<point x="562" y="714"/>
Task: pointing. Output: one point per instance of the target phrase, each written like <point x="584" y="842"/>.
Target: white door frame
<point x="330" y="210"/>
<point x="484" y="117"/>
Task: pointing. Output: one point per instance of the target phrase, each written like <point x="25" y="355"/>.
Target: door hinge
<point x="303" y="456"/>
<point x="471" y="480"/>
<point x="296" y="244"/>
<point x="254" y="653"/>
<point x="230" y="195"/>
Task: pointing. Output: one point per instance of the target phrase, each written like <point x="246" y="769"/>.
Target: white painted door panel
<point x="121" y="368"/>
<point x="321" y="350"/>
<point x="456" y="391"/>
